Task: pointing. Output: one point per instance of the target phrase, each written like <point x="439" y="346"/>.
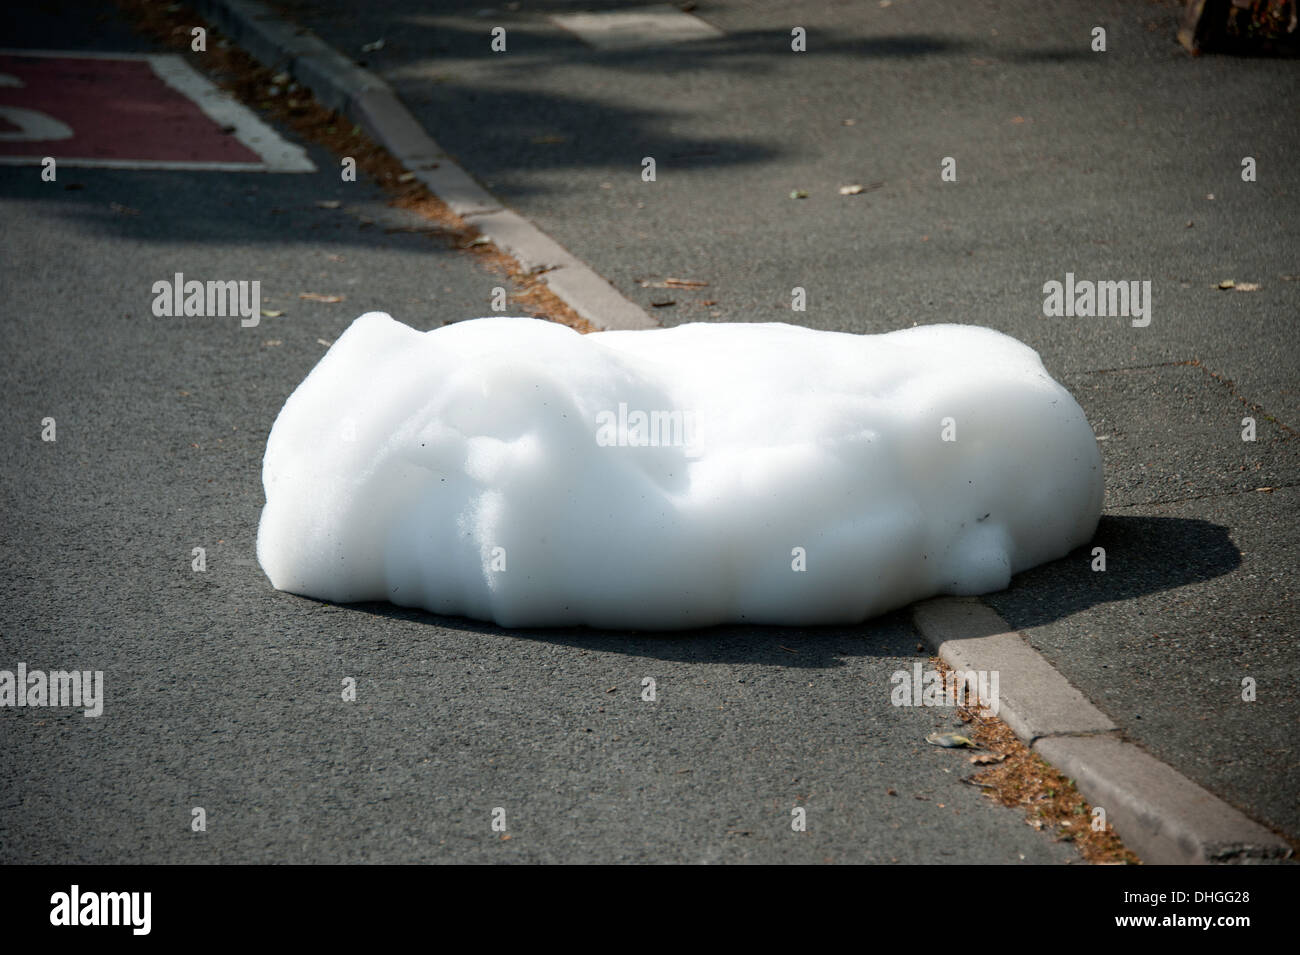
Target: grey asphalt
<point x="1117" y="165"/>
<point x="224" y="694"/>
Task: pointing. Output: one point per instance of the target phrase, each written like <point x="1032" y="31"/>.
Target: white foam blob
<point x="513" y="470"/>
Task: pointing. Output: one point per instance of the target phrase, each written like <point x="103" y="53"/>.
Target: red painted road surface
<point x="118" y="110"/>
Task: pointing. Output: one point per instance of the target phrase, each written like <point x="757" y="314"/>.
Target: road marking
<point x="130" y="111"/>
<point x="639" y="27"/>
<point x="31" y="126"/>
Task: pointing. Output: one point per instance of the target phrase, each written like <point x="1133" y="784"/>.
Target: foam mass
<point x="513" y="470"/>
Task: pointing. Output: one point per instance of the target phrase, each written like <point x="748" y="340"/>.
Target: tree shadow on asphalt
<point x="535" y="128"/>
<point x="1144" y="555"/>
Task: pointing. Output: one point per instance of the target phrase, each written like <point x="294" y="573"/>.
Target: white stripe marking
<point x="225" y="111"/>
<point x="639" y="27"/>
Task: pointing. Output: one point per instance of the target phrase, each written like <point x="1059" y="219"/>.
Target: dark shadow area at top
<point x="497" y="112"/>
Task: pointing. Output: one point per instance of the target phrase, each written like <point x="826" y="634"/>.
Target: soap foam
<point x="513" y="470"/>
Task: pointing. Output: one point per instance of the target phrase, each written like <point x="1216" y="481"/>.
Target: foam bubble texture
<point x="512" y="470"/>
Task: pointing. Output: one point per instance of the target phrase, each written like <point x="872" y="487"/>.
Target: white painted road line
<point x="641" y="27"/>
<point x="278" y="154"/>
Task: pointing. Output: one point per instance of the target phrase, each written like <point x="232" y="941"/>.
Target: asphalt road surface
<point x="1118" y="165"/>
<point x="224" y="695"/>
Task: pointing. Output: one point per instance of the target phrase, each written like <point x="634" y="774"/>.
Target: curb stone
<point x="1159" y="813"/>
<point x="1162" y="815"/>
<point x="1033" y="698"/>
<point x="368" y="101"/>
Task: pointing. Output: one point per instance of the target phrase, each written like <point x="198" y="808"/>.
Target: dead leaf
<point x="950" y="741"/>
<point x="328" y="203"/>
<point x="324" y="342"/>
<point x="272" y="342"/>
<point x="671" y="283"/>
<point x="988" y="759"/>
<point x="850" y="190"/>
<point x="798" y="194"/>
<point x="271" y="313"/>
<point x="664" y="304"/>
<point x="373" y="47"/>
<point x="1247" y="286"/>
<point x="318" y="297"/>
<point x="1266" y="490"/>
<point x="1227" y="284"/>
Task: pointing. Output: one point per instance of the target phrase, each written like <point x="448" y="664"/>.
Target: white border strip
<point x="225" y="111"/>
<point x="144" y="164"/>
<point x="276" y="153"/>
<point x="73" y="54"/>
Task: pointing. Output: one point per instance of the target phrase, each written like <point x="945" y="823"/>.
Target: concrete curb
<point x="1160" y="814"/>
<point x="369" y="102"/>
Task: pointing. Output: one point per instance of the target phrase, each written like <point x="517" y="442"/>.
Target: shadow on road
<point x="1144" y="555"/>
<point x="811" y="648"/>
